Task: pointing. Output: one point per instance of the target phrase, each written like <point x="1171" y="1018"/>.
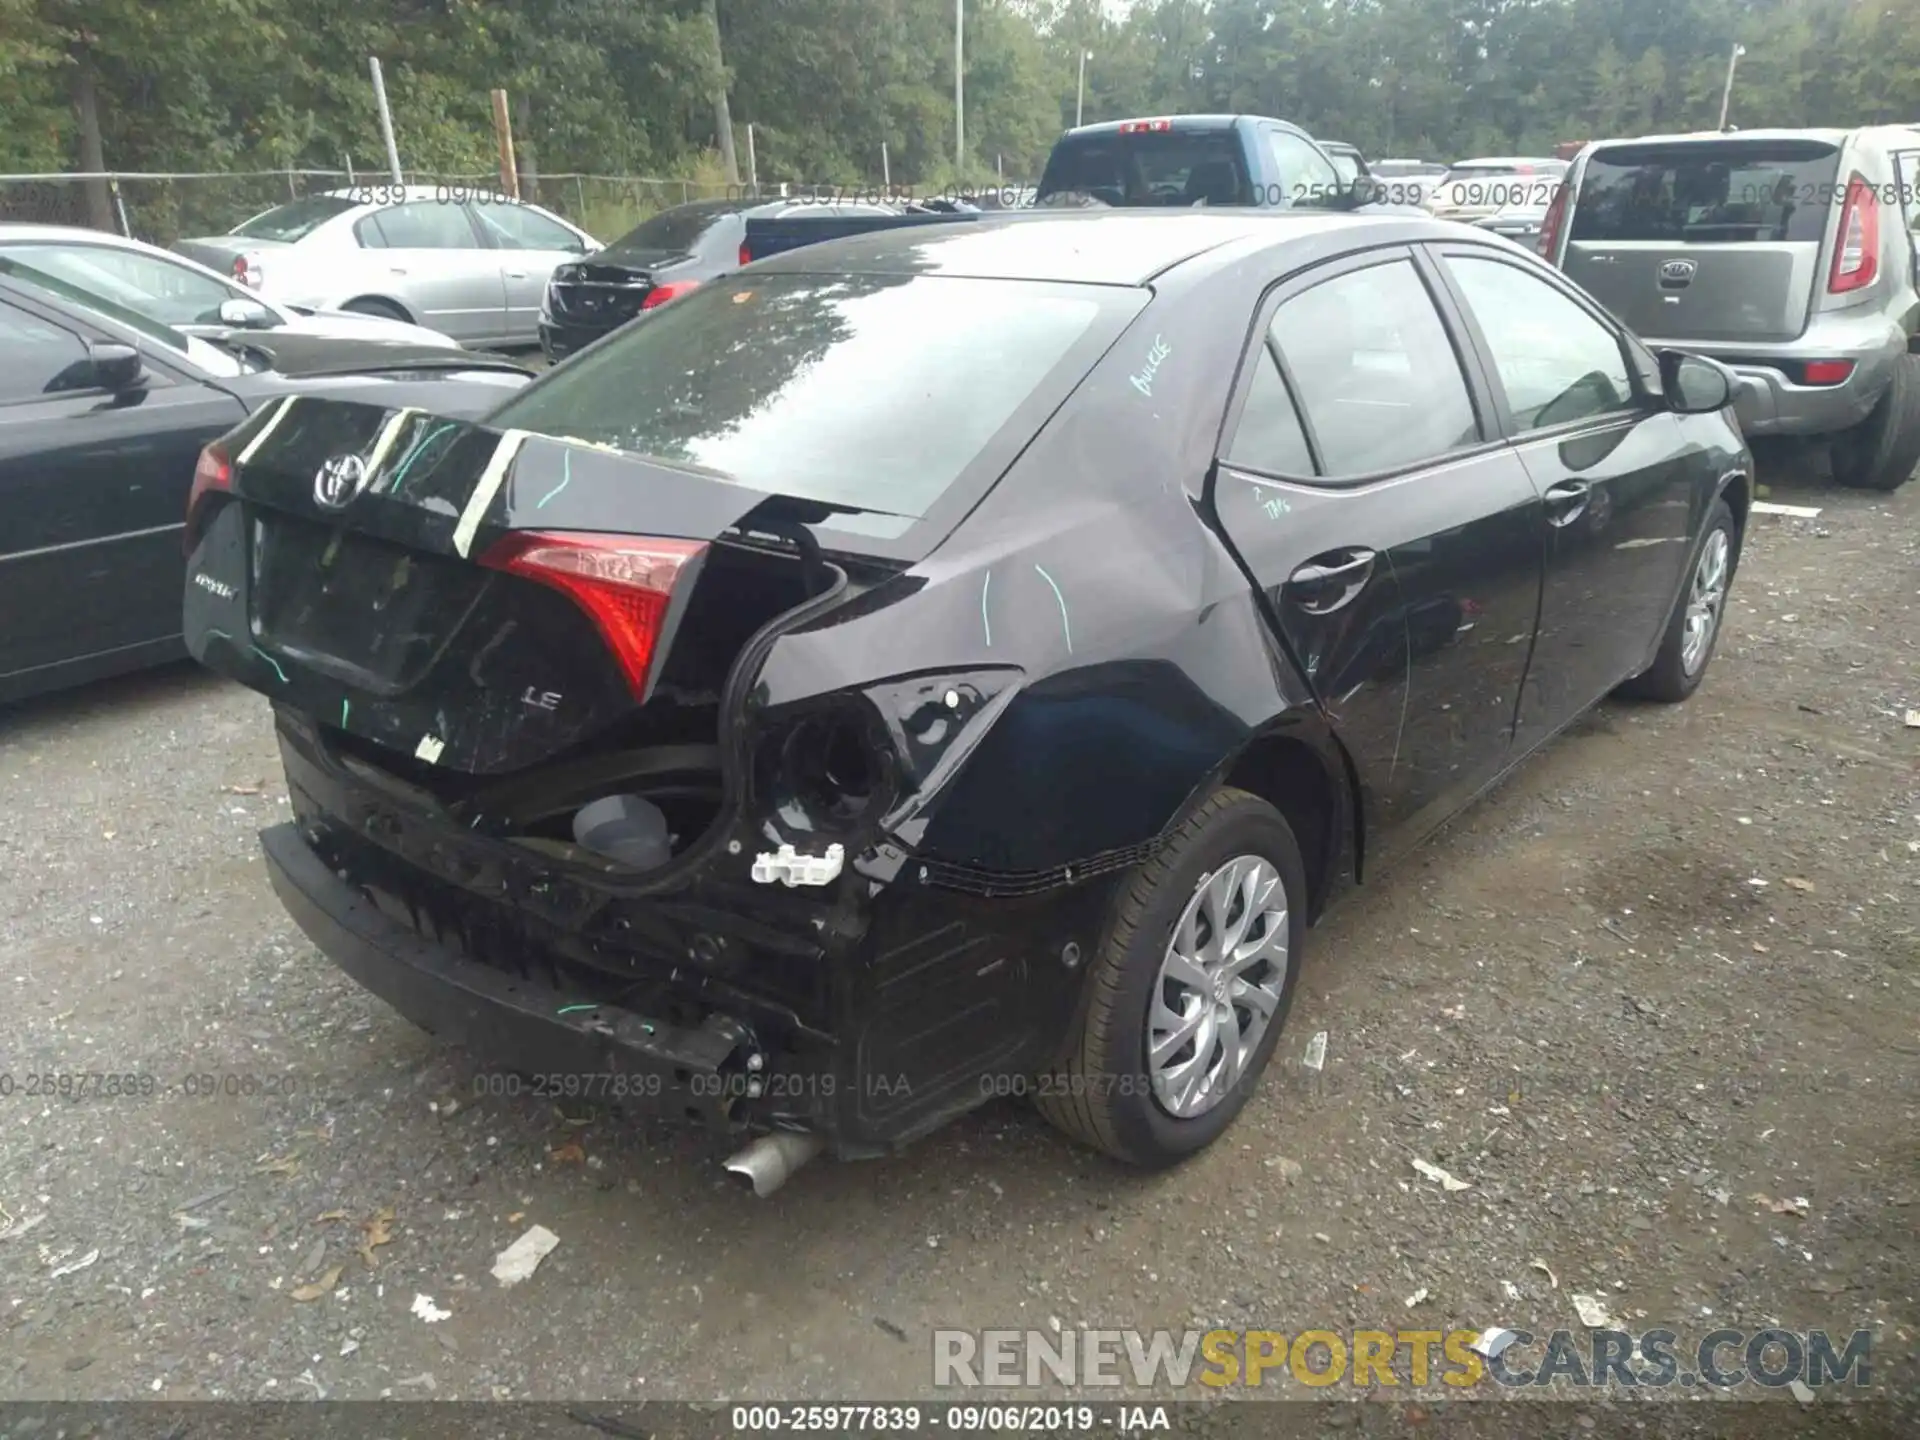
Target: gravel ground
<point x="1580" y="998"/>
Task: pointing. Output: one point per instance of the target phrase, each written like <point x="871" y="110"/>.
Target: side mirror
<point x="1693" y="384"/>
<point x="246" y="315"/>
<point x="115" y="367"/>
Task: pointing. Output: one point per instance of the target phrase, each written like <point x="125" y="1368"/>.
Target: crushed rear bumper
<point x="566" y="1043"/>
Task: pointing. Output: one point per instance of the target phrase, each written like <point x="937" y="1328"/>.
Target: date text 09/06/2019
<point x="1051" y="1419"/>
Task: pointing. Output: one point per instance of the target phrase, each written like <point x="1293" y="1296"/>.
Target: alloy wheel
<point x="1705" y="600"/>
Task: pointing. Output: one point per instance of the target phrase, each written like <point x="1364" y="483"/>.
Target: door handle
<point x="1567" y="501"/>
<point x="1328" y="581"/>
<point x="516" y="274"/>
<point x="396" y="269"/>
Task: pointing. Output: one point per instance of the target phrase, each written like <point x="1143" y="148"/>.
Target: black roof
<point x="1100" y="247"/>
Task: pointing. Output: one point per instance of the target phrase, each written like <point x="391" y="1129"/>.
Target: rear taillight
<point x="1826" y="372"/>
<point x="213" y="473"/>
<point x="746" y="254"/>
<point x="248" y="270"/>
<point x="1856" y="254"/>
<point x="1141" y="127"/>
<point x="623" y="582"/>
<point x="1556" y="218"/>
<point x="661" y="294"/>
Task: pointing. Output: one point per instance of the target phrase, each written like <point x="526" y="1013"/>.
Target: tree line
<point x="659" y="87"/>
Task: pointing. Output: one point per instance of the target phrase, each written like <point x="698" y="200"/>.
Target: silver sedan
<point x="182" y="293"/>
<point x="473" y="267"/>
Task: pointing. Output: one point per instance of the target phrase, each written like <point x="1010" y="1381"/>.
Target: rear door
<point x="1706" y="240"/>
<point x="528" y="245"/>
<point x="93" y="489"/>
<point x="1398" y="547"/>
<point x="1620" y="486"/>
<point x="431" y="255"/>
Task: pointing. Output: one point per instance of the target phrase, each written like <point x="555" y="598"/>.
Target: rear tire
<point x="1104" y="1091"/>
<point x="1880" y="452"/>
<point x="1685" y="653"/>
<point x="377" y="309"/>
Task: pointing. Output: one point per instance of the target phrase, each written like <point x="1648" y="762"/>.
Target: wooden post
<point x="503" y="130"/>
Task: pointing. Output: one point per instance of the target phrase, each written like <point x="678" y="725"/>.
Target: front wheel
<point x="1694" y="630"/>
<point x="1190" y="990"/>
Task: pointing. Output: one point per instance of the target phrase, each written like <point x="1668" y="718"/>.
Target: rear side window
<point x="1376" y="372"/>
<point x="870" y="391"/>
<point x="423" y="225"/>
<point x="1719" y="193"/>
<point x="295" y="220"/>
<point x="1269" y="437"/>
<point x="1162" y="167"/>
<point x="519" y="227"/>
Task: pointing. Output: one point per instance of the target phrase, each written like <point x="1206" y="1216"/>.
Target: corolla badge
<point x="1677" y="272"/>
<point x="338" y="481"/>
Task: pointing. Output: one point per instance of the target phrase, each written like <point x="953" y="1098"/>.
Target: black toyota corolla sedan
<point x="103" y="414"/>
<point x="942" y="664"/>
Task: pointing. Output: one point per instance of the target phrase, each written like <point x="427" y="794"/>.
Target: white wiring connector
<point x="787" y="866"/>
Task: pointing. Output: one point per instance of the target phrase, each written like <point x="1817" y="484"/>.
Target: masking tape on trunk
<point x="491" y="479"/>
<point x="389" y="433"/>
<point x="267" y="429"/>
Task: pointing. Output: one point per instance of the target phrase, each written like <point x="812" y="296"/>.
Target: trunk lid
<point x="606" y="290"/>
<point x="393" y="574"/>
<point x="1704" y="240"/>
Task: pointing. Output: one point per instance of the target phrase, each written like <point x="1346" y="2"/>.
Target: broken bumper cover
<point x="571" y="1045"/>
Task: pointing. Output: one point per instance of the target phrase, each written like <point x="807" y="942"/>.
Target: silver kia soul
<point x="1787" y="255"/>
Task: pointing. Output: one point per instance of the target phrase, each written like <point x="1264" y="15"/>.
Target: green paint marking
<point x="221" y="635"/>
<point x="400" y="475"/>
<point x="273" y="662"/>
<point x="566" y="477"/>
<point x="345" y="706"/>
<point x="570" y="1009"/>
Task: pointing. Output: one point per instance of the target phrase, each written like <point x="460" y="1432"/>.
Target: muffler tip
<point x="769" y="1162"/>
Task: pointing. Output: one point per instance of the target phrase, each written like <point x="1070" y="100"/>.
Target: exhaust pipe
<point x="766" y="1164"/>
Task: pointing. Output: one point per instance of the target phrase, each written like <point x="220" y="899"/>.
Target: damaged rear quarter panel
<point x="1139" y="659"/>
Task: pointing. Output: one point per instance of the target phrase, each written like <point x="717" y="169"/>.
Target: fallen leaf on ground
<point x="1797" y="883"/>
<point x="323" y="1286"/>
<point x="378" y="1232"/>
<point x="288" y="1165"/>
<point x="1541" y="1266"/>
<point x="516" y="1217"/>
<point x="331" y="1215"/>
<point x="568" y="1154"/>
<point x="240" y="789"/>
<point x="1593" y="1312"/>
<point x="1795" y="1206"/>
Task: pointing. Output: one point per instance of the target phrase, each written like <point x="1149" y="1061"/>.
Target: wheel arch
<point x="403" y="310"/>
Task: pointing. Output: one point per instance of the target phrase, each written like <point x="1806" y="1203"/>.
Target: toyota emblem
<point x="338" y="481"/>
<point x="1677" y="272"/>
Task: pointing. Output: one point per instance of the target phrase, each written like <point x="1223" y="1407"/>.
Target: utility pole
<point x="1726" y="95"/>
<point x="959" y="90"/>
<point x="1080" y="95"/>
<point x="386" y="118"/>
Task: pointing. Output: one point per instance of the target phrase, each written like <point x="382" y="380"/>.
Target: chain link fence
<point x="163" y="208"/>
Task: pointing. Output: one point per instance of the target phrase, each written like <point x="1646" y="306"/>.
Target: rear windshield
<point x="1725" y="192"/>
<point x="296" y="219"/>
<point x="868" y="391"/>
<point x="1151" y="168"/>
<point x="675" y="231"/>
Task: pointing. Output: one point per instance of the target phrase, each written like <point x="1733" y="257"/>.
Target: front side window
<point x="1555" y="361"/>
<point x="37" y="358"/>
<point x="159" y="289"/>
<point x="868" y="391"/>
<point x="1377" y="375"/>
<point x="520" y="227"/>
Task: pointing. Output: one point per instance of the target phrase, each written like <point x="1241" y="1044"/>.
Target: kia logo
<point x="339" y="480"/>
<point x="1677" y="272"/>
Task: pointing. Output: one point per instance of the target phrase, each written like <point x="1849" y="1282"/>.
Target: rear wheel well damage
<point x="1293" y="778"/>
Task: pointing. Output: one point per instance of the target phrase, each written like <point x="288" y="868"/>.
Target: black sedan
<point x="661" y="259"/>
<point x="955" y="662"/>
<point x="103" y="414"/>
